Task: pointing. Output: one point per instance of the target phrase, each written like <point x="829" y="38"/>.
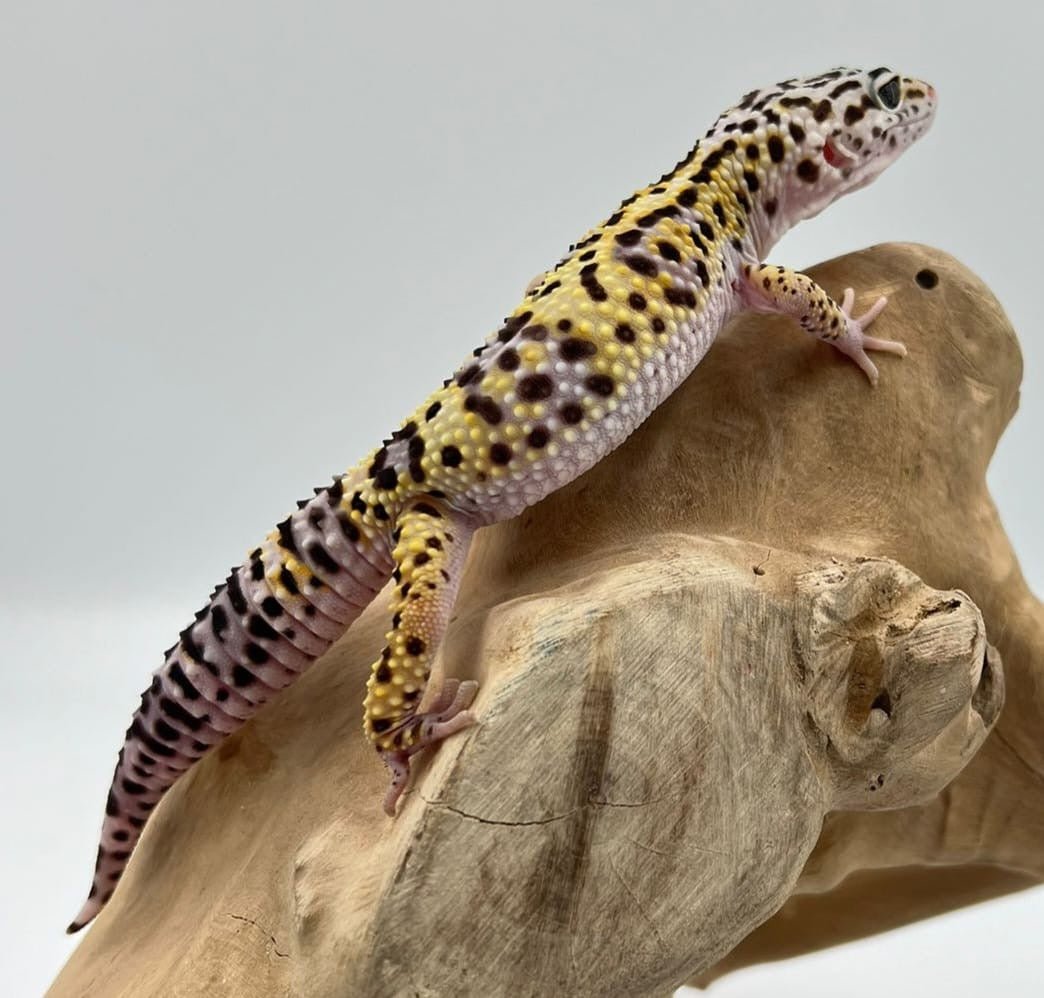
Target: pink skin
<point x="447" y="716"/>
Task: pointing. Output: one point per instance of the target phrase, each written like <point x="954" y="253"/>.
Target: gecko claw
<point x="447" y="715"/>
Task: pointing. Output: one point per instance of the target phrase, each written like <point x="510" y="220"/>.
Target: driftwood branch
<point x="710" y="690"/>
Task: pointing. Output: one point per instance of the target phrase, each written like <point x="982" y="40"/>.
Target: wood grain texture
<point x="711" y="692"/>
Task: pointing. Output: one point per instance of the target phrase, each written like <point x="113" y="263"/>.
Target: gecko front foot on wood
<point x="447" y="716"/>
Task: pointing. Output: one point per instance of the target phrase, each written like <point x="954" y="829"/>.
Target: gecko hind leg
<point x="448" y="714"/>
<point x="431" y="542"/>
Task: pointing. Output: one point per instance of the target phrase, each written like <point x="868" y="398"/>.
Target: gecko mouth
<point x="838" y="155"/>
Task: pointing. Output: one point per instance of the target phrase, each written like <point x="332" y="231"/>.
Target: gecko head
<point x="855" y="123"/>
<point x="828" y="135"/>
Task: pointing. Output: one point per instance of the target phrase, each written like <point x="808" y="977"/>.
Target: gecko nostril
<point x="928" y="279"/>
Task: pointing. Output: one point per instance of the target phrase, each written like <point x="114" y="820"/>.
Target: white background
<point x="239" y="241"/>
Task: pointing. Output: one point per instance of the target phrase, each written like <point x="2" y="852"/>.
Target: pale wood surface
<point x="663" y="727"/>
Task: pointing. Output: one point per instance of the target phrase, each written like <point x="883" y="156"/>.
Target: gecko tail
<point x="254" y="638"/>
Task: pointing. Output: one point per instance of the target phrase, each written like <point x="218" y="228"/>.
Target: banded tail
<point x="264" y="625"/>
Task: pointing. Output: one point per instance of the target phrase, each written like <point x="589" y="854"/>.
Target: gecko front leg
<point x="430" y="545"/>
<point x="766" y="288"/>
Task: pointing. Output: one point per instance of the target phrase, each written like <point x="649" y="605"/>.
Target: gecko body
<point x="594" y="347"/>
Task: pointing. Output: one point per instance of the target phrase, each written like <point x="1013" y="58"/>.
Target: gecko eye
<point x="888" y="95"/>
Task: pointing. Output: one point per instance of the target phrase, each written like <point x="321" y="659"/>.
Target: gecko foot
<point x="854" y="343"/>
<point x="448" y="715"/>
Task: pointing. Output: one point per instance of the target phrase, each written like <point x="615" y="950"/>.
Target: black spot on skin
<point x="513" y="325"/>
<point x="218" y="620"/>
<point x="853" y="114"/>
<point x="500" y="453"/>
<point x="565" y="325"/>
<point x="416" y="471"/>
<point x="751" y="180"/>
<point x="508" y="359"/>
<point x="624" y="333"/>
<point x="680" y="296"/>
<point x="636" y="301"/>
<point x="595" y="291"/>
<point x="176" y="712"/>
<point x="688" y="197"/>
<point x="432" y="411"/>
<point x="378" y="461"/>
<point x="589" y="255"/>
<point x="178" y="677"/>
<point x="112" y="807"/>
<point x="712" y="160"/>
<point x="753" y="152"/>
<point x="600" y="384"/>
<point x="260" y="628"/>
<point x="538" y="437"/>
<point x="668" y="251"/>
<point x="553" y="286"/>
<point x="706" y="229"/>
<point x="121" y="835"/>
<point x="380" y="512"/>
<point x="257" y="568"/>
<point x="535" y="387"/>
<point x="573" y="349"/>
<point x="436" y="544"/>
<point x="770" y="207"/>
<point x="719" y="212"/>
<point x="414" y="646"/>
<point x="235" y="593"/>
<point x="155" y="747"/>
<point x="632" y="237"/>
<point x="808" y="171"/>
<point x="189" y="645"/>
<point x="166" y="732"/>
<point x="822" y="110"/>
<point x="130" y="787"/>
<point x="488" y="409"/>
<point x="286" y="536"/>
<point x="701" y="272"/>
<point x="468" y="375"/>
<point x="383" y="674"/>
<point x="536" y="332"/>
<point x="242" y="676"/>
<point x="271" y="606"/>
<point x="427" y="510"/>
<point x="321" y="557"/>
<point x="641" y="265"/>
<point x="422" y="559"/>
<point x="927" y="279"/>
<point x="571" y="413"/>
<point x="843" y="87"/>
<point x="750" y="125"/>
<point x="416" y="448"/>
<point x="379" y="724"/>
<point x="797" y="133"/>
<point x="451" y="456"/>
<point x="256" y="653"/>
<point x="348" y="527"/>
<point x="657" y="323"/>
<point x="386" y="478"/>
